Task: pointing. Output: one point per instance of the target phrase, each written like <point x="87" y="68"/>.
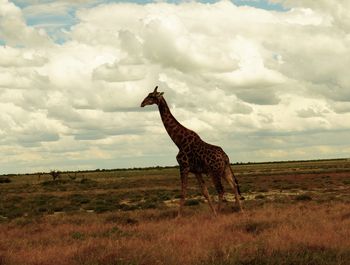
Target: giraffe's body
<point x="195" y="156"/>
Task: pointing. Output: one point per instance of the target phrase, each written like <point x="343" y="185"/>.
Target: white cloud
<point x="14" y="30"/>
<point x="262" y="84"/>
<point x="119" y="73"/>
<point x="12" y="57"/>
<point x="312" y="111"/>
<point x="338" y="11"/>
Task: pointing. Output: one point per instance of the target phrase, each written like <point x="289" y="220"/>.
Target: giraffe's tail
<point x="236" y="182"/>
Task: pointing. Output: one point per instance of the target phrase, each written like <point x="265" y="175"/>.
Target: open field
<point x="295" y="213"/>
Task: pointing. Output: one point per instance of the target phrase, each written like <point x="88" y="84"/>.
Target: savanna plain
<point x="294" y="213"/>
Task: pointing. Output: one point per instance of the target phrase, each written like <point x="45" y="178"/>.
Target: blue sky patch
<point x="263" y="4"/>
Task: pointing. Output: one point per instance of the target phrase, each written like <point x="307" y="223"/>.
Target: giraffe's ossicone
<point x="195" y="156"/>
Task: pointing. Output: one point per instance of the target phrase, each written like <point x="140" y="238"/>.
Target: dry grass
<point x="297" y="234"/>
<point x="295" y="213"/>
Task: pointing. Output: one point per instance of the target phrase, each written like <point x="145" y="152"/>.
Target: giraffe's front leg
<point x="219" y="188"/>
<point x="184" y="178"/>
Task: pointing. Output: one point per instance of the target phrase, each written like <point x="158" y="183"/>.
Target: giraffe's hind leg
<point x="184" y="171"/>
<point x="219" y="188"/>
<point x="229" y="178"/>
<point x="221" y="199"/>
<point x="205" y="191"/>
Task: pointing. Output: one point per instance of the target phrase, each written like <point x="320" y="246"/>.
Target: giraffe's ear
<point x="161" y="93"/>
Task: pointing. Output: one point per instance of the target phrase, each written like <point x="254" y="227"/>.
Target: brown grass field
<point x="295" y="213"/>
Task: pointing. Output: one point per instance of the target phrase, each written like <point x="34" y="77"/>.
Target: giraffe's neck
<point x="175" y="130"/>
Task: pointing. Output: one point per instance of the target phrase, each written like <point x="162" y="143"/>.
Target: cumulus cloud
<point x="340" y="107"/>
<point x="261" y="83"/>
<point x="337" y="11"/>
<point x="15" y="31"/>
<point x="119" y="73"/>
<point x="11" y="57"/>
<point x="310" y="112"/>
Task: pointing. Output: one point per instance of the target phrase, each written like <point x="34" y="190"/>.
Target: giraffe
<point x="195" y="156"/>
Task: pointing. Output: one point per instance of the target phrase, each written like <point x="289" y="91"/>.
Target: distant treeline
<point x="170" y="167"/>
<point x="96" y="170"/>
<point x="292" y="161"/>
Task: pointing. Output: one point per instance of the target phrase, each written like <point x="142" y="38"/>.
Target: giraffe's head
<point x="152" y="98"/>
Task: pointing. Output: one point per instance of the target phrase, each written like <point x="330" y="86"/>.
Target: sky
<point x="265" y="80"/>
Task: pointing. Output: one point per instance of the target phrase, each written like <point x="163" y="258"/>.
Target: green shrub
<point x="303" y="197"/>
<point x="12" y="212"/>
<point x="56" y="182"/>
<point x="79" y="199"/>
<point x="113" y="232"/>
<point x="256" y="227"/>
<point x="4" y="180"/>
<point x="259" y="197"/>
<point x="246" y="187"/>
<point x="121" y="219"/>
<point x="78" y="236"/>
<point x="346" y="182"/>
<point x="127" y="207"/>
<point x="87" y="181"/>
<point x="192" y="202"/>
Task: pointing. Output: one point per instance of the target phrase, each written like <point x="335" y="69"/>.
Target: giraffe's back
<point x="207" y="158"/>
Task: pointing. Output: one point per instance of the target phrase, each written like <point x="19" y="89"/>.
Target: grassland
<point x="295" y="213"/>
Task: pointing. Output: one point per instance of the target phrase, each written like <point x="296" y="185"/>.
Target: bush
<point x="346" y="182"/>
<point x="121" y="219"/>
<point x="192" y="202"/>
<point x="88" y="182"/>
<point x="78" y="236"/>
<point x="303" y="197"/>
<point x="259" y="197"/>
<point x="55" y="174"/>
<point x="256" y="227"/>
<point x="4" y="180"/>
<point x="54" y="182"/>
<point x="79" y="199"/>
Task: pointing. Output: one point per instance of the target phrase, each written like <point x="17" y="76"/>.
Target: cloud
<point x="312" y="112"/>
<point x="337" y="12"/>
<point x="261" y="97"/>
<point x="11" y="57"/>
<point x="14" y="30"/>
<point x="264" y="84"/>
<point x="322" y="53"/>
<point x="119" y="72"/>
<point x="340" y="107"/>
<point x="27" y="128"/>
